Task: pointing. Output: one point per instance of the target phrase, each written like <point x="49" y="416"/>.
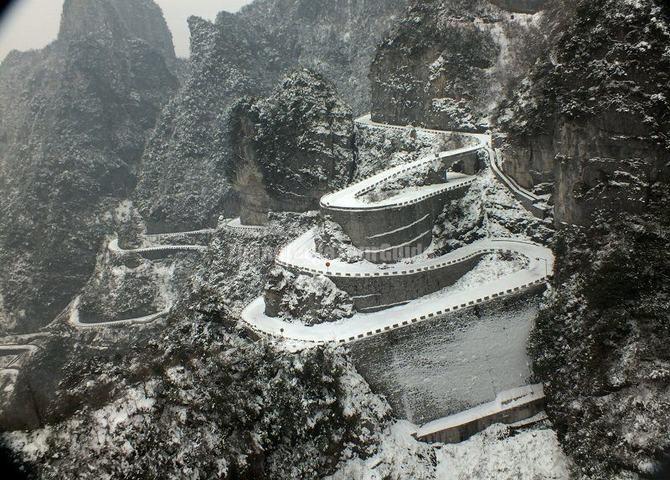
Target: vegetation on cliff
<point x="601" y="344"/>
<point x="74" y="119"/>
<point x="292" y="147"/>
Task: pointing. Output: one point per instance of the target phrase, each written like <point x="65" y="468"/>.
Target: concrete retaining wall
<point x="462" y="432"/>
<point x="378" y="292"/>
<point x="469" y="355"/>
<point x="404" y="226"/>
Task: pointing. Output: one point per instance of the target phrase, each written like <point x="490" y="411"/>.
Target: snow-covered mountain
<point x="240" y="274"/>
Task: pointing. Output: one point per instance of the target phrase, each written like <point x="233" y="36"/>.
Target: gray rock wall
<point x="448" y="63"/>
<point x="377" y="293"/>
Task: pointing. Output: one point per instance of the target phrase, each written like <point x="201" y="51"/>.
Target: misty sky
<point x="31" y="24"/>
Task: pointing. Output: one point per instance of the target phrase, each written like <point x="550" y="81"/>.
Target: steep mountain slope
<point x="183" y="182"/>
<point x="336" y="38"/>
<point x="292" y="147"/>
<point x="593" y="114"/>
<point x="593" y="117"/>
<point x="197" y="395"/>
<point x="448" y="62"/>
<point x="74" y="119"/>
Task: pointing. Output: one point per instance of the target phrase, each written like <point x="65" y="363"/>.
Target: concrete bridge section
<point x="73" y="318"/>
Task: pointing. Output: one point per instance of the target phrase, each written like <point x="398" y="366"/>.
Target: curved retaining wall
<point x="389" y="231"/>
<point x="372" y="294"/>
<point x="378" y="289"/>
<point x="378" y="292"/>
<point x="407" y="226"/>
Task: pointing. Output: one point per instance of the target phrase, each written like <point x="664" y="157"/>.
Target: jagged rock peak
<point x="117" y="19"/>
<point x="293" y="146"/>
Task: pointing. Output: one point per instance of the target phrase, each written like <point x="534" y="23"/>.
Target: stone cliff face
<point x="74" y="120"/>
<point x="183" y="184"/>
<point x="336" y="38"/>
<point x="592" y="114"/>
<point x="116" y="20"/>
<point x="291" y="148"/>
<point x="182" y="181"/>
<point x="448" y="63"/>
<point x="592" y="117"/>
<point x="601" y="344"/>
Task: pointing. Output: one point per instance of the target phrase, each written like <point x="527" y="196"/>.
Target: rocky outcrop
<point x="592" y="114"/>
<point x="447" y="64"/>
<point x="123" y="290"/>
<point x="74" y="119"/>
<point x="183" y="184"/>
<point x="309" y="300"/>
<point x="120" y="19"/>
<point x="291" y="148"/>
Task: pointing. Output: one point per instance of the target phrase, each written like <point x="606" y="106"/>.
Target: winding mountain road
<point x="301" y="257"/>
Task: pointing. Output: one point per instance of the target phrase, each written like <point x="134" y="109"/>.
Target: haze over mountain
<point x="32" y="24"/>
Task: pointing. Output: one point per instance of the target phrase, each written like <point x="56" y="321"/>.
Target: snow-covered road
<point x="363" y="325"/>
<point x="167" y="249"/>
<point x="74" y="320"/>
<point x="301" y="256"/>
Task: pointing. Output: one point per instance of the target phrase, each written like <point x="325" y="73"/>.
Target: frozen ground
<point x="490" y="455"/>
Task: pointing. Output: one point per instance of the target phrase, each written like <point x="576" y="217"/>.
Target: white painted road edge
<point x="364" y="325"/>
